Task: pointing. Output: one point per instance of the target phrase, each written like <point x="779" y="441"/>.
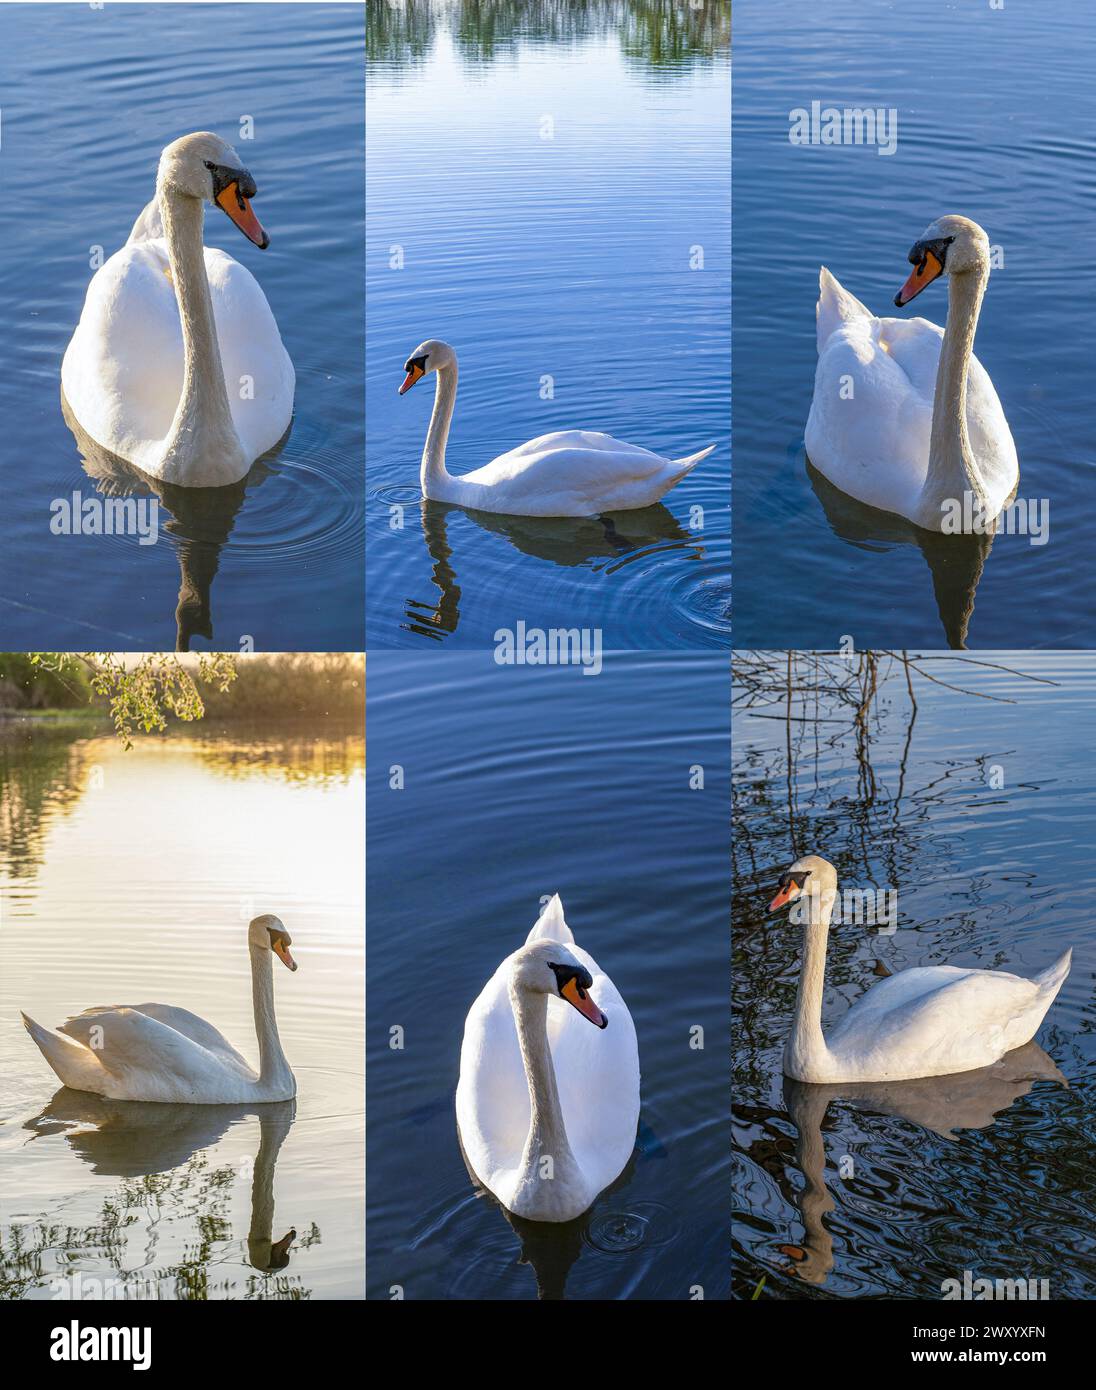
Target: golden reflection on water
<point x="289" y="758"/>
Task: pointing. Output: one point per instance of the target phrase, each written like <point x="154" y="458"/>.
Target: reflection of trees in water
<point x="149" y="1207"/>
<point x="170" y="1190"/>
<point x="853" y="706"/>
<point x="672" y="35"/>
<point x="781" y="806"/>
<point x="43" y="772"/>
<point x="657" y="36"/>
<point x="298" y="757"/>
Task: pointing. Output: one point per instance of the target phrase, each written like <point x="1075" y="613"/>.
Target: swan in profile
<point x="160" y="1053"/>
<point x="547" y="1105"/>
<point x="567" y="473"/>
<point x="176" y="365"/>
<point x="926" y="1022"/>
<point x="904" y="416"/>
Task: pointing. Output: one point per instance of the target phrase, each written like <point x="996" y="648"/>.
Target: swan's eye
<point x="919" y="255"/>
<point x="568" y="974"/>
<point x="223" y="176"/>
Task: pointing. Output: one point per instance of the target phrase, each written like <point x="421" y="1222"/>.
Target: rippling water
<point x="124" y="875"/>
<point x="994" y="106"/>
<point x="94" y="97"/>
<point x="565" y="258"/>
<point x="520" y="783"/>
<point x="978" y="814"/>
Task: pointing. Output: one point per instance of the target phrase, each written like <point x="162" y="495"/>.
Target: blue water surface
<point x="548" y="190"/>
<point x="488" y="788"/>
<point x="90" y="96"/>
<point x="995" y="108"/>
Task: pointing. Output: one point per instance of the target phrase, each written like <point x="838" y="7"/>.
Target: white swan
<point x="547" y="1106"/>
<point x="176" y="365"/>
<point x="159" y="1053"/>
<point x="918" y="1023"/>
<point x="567" y="473"/>
<point x="904" y="416"/>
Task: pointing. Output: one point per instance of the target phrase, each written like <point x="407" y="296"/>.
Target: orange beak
<point x="409" y="380"/>
<point x="232" y="201"/>
<point x="282" y="952"/>
<point x="583" y="1003"/>
<point x="924" y="275"/>
<point x="789" y="891"/>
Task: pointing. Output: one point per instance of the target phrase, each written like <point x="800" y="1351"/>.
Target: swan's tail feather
<point x="1050" y="981"/>
<point x="835" y="306"/>
<point x="67" y="1058"/>
<point x="686" y="465"/>
<point x="550" y="925"/>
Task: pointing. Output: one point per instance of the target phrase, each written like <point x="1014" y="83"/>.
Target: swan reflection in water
<point x="940" y="1104"/>
<point x="955" y="562"/>
<point x="551" y="1248"/>
<point x="569" y="542"/>
<point x="200" y="519"/>
<point x="137" y="1139"/>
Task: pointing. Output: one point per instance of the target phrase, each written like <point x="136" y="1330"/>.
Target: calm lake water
<point x="994" y="110"/>
<point x="520" y="783"/>
<point x="979" y="814"/>
<point x="544" y="174"/>
<point x="93" y="98"/>
<point x="106" y="898"/>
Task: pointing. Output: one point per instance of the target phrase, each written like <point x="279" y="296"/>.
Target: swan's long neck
<point x="952" y="467"/>
<point x="806" y="1049"/>
<point x="203" y="420"/>
<point x="433" y="475"/>
<point x="273" y="1066"/>
<point x="547" y="1138"/>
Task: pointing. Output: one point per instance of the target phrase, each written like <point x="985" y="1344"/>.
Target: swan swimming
<point x="157" y="1052"/>
<point x="904" y="416"/>
<point x="925" y="1022"/>
<point x="566" y="473"/>
<point x="177" y="365"/>
<point x="548" y="1096"/>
